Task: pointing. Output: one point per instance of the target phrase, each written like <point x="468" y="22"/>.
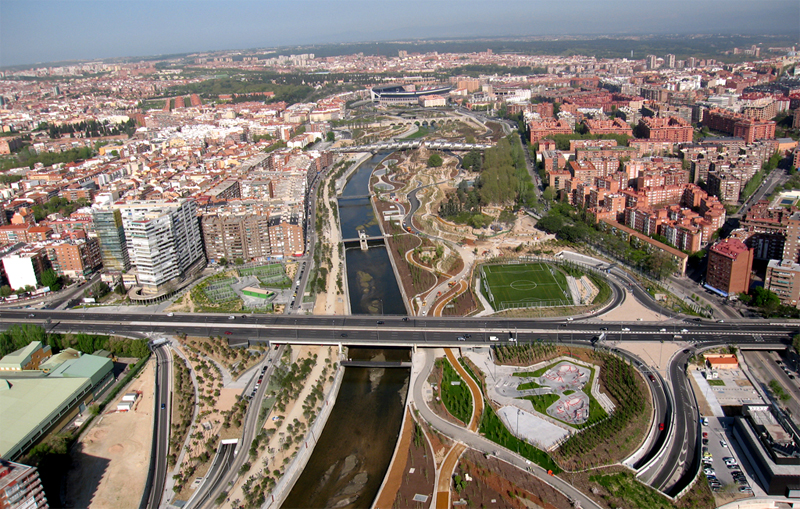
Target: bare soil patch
<point x="495" y="483"/>
<point x="110" y="463"/>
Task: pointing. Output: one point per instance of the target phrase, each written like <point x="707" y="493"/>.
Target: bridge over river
<point x="412" y="144"/>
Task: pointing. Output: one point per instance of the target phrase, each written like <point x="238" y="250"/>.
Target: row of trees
<point x="503" y="180"/>
<point x="579" y="227"/>
<point x="18" y="336"/>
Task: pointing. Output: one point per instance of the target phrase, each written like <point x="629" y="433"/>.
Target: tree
<point x="796" y="343"/>
<point x="765" y="299"/>
<point x="51" y="279"/>
<point x="549" y="194"/>
<point x="435" y="160"/>
<point x="330" y="136"/>
<point x="5" y="291"/>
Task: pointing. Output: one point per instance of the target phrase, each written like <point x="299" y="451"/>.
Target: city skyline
<point x="82" y="30"/>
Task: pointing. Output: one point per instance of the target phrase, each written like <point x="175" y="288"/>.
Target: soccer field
<point x="525" y="285"/>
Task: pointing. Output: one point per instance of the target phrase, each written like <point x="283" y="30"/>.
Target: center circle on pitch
<point x="523" y="285"/>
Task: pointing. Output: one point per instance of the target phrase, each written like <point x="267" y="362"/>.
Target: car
<point x="778" y="362"/>
<point x="569" y="318"/>
<point x="231" y="317"/>
<point x="462" y="338"/>
<point x="344" y="334"/>
<point x="31" y="315"/>
<point x="661" y="426"/>
<point x="662" y="330"/>
<point x="405" y="318"/>
<point x="379" y="322"/>
<point x="705" y="434"/>
<point x="467" y="335"/>
<point x="163" y="406"/>
<point x="684" y="331"/>
<point x="723" y="443"/>
<point x="111" y="331"/>
<point x="652" y="378"/>
<point x="603" y="328"/>
<point x="170" y="314"/>
<point x="791" y="376"/>
<point x="705" y="441"/>
<point x="720" y="321"/>
<point x="228" y="333"/>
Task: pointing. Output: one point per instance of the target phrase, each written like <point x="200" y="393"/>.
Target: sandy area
<point x="331" y="302"/>
<point x="630" y="310"/>
<point x="110" y="462"/>
<point x="272" y="455"/>
<point x="654" y="354"/>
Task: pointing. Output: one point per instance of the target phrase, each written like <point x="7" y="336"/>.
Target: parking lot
<point x="727" y="387"/>
<point x="719" y="442"/>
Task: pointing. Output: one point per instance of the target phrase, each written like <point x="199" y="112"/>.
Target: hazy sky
<point x="52" y="30"/>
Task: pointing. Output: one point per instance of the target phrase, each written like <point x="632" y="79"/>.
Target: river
<point x="353" y="453"/>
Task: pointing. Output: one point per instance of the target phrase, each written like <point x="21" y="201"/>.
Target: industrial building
<point x="34" y="403"/>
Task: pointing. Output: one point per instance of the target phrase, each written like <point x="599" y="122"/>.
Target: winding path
<point x="483" y="445"/>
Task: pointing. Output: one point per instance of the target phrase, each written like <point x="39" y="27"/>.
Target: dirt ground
<point x="110" y="462"/>
<point x="631" y="309"/>
<point x="657" y="355"/>
<point x="495" y="483"/>
<point x="411" y="473"/>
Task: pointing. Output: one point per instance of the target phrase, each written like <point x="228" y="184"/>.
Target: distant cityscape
<point x="655" y="192"/>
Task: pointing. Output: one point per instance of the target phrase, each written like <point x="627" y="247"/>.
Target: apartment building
<point x="729" y="264"/>
<point x="75" y="258"/>
<point x="671" y="129"/>
<point x="749" y="129"/>
<point x="24" y="266"/>
<point x="163" y="239"/>
<point x="783" y="279"/>
<point x="244" y="236"/>
<point x="20" y="487"/>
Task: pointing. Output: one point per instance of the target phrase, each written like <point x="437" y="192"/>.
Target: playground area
<point x="523" y="285"/>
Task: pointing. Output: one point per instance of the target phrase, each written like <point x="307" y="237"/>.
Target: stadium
<point x="404" y="94"/>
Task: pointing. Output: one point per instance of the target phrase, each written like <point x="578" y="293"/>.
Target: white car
<point x="626" y="329"/>
<point x="723" y="443"/>
<point x="684" y="331"/>
<point x="662" y="330"/>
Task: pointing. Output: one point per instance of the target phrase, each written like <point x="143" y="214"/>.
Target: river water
<point x="353" y="453"/>
<point x="348" y="464"/>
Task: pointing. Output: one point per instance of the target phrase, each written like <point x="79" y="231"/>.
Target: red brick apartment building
<point x="729" y="265"/>
<point x="672" y="129"/>
<point x="749" y="129"/>
<point x="616" y="126"/>
<point x="547" y="127"/>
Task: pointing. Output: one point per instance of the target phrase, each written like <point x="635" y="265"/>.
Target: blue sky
<point x="46" y="30"/>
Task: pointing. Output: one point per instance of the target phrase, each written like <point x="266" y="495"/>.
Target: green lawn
<point x="530" y="283"/>
<point x="528" y="385"/>
<point x="456" y="398"/>
<point x="542" y="402"/>
<point x="625" y="487"/>
<point x="716" y="382"/>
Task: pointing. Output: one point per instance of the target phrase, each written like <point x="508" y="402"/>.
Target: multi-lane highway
<point x="157" y="475"/>
<point x="675" y="450"/>
<point x="397" y="331"/>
